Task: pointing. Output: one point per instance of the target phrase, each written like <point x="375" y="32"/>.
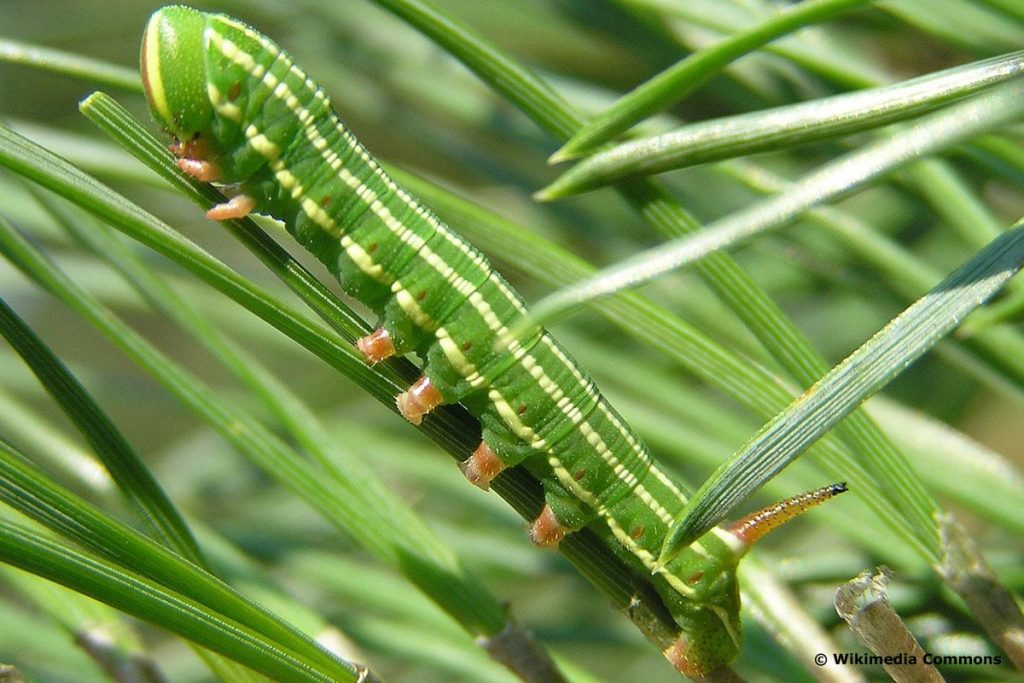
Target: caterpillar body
<point x="245" y="116"/>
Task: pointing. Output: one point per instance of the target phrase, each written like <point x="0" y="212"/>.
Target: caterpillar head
<point x="174" y="70"/>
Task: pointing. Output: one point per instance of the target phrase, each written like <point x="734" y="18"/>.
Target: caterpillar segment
<point x="244" y="115"/>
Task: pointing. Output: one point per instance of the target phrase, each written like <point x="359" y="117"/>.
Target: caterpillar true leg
<point x="193" y="162"/>
<point x="239" y="206"/>
<point x="193" y="159"/>
<point x="204" y="171"/>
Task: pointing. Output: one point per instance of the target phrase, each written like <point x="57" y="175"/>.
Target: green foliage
<point x="341" y="519"/>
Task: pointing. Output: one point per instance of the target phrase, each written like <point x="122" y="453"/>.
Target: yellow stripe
<point x="157" y="94"/>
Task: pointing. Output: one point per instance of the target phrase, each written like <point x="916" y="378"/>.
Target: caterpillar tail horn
<point x="750" y="529"/>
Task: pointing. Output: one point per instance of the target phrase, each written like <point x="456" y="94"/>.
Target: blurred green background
<point x="417" y="109"/>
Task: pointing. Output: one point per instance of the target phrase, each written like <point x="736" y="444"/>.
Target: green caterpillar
<point x="245" y="116"/>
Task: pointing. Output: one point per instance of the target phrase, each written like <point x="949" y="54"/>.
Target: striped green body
<point x="271" y="132"/>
